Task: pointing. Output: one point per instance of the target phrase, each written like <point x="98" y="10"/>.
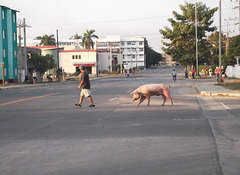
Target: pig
<point x="147" y="90"/>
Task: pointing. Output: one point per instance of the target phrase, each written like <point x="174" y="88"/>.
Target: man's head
<point x="82" y="67"/>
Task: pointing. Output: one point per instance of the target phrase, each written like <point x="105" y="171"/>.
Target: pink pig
<point x="145" y="91"/>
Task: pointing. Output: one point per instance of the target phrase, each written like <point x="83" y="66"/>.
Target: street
<point x="43" y="133"/>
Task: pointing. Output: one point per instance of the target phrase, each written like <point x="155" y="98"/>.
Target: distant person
<point x="186" y="74"/>
<point x="223" y="74"/>
<point x="210" y="71"/>
<point x="193" y="73"/>
<point x="85" y="87"/>
<point x="217" y="72"/>
<point x="34" y="76"/>
<point x="174" y="75"/>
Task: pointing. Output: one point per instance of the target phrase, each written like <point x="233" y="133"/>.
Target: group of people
<point x="217" y="73"/>
<point x="193" y="72"/>
<point x="174" y="74"/>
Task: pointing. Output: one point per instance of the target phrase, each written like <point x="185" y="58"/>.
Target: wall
<point x="67" y="62"/>
<point x="233" y="71"/>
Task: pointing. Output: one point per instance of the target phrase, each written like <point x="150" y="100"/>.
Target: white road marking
<point x="136" y="124"/>
<point x="225" y="106"/>
<point x="113" y="99"/>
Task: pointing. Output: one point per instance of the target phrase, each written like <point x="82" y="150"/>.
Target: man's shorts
<point x="85" y="92"/>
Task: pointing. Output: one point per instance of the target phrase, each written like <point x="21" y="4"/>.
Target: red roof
<point x="77" y="51"/>
<point x="43" y="47"/>
<point x="85" y="64"/>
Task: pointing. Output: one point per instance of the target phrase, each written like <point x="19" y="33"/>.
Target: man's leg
<point x="90" y="99"/>
<point x="81" y="99"/>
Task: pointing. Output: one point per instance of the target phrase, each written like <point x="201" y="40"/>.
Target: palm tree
<point x="76" y="37"/>
<point x="46" y="40"/>
<point x="87" y="41"/>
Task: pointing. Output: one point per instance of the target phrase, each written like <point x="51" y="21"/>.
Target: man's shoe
<point x="78" y="105"/>
<point x="91" y="105"/>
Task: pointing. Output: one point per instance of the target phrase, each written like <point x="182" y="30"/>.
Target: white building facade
<point x="131" y="50"/>
<point x="70" y="60"/>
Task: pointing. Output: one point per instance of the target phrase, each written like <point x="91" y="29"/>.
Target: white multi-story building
<point x="132" y="50"/>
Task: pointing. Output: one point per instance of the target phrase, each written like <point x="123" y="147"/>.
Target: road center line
<point x="225" y="106"/>
<point x="113" y="99"/>
<point x="26" y="99"/>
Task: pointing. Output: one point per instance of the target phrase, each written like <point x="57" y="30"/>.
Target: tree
<point x="234" y="50"/>
<point x="87" y="41"/>
<point x="42" y="63"/>
<point x="152" y="57"/>
<point x="76" y="37"/>
<point x="213" y="39"/>
<point x="46" y="40"/>
<point x="182" y="45"/>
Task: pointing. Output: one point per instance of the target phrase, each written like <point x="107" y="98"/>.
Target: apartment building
<point x="8" y="44"/>
<point x="131" y="49"/>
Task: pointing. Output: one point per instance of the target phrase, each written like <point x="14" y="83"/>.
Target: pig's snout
<point x="135" y="96"/>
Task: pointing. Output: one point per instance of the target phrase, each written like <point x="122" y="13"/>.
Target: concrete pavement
<point x="207" y="87"/>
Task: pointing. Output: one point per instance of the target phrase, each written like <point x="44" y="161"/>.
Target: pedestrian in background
<point x="193" y="72"/>
<point x="210" y="71"/>
<point x="186" y="74"/>
<point x="174" y="75"/>
<point x="34" y="76"/>
<point x="217" y="72"/>
<point x="223" y="74"/>
<point x="85" y="87"/>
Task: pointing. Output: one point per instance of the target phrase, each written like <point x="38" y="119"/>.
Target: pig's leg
<point x="141" y="100"/>
<point x="164" y="99"/>
<point x="170" y="98"/>
<point x="148" y="100"/>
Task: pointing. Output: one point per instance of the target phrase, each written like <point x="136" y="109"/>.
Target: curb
<point x="215" y="93"/>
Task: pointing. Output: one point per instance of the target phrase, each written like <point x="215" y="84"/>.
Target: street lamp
<point x="220" y="43"/>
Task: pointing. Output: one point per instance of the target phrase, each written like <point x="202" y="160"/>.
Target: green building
<point x="8" y="44"/>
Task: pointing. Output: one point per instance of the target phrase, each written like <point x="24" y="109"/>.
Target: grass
<point x="233" y="85"/>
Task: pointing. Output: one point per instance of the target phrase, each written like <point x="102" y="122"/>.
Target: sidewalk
<point x="207" y="87"/>
<point x="22" y="85"/>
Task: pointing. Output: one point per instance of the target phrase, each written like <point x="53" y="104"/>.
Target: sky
<point x="127" y="18"/>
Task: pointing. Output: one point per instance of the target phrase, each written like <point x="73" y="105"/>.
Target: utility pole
<point x="120" y="54"/>
<point x="25" y="46"/>
<point x="20" y="51"/>
<point x="110" y="58"/>
<point x="220" y="41"/>
<point x="58" y="71"/>
<point x="22" y="61"/>
<point x="196" y="37"/>
<point x="97" y="60"/>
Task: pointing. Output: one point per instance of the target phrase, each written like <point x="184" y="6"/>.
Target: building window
<point x="3" y="14"/>
<point x="140" y="42"/>
<point x="14" y="36"/>
<point x="16" y="72"/>
<point x="129" y="43"/>
<point x="14" y="18"/>
<point x="15" y="53"/>
<point x="4" y="34"/>
<point x="5" y="72"/>
<point x="73" y="57"/>
<point x="4" y="53"/>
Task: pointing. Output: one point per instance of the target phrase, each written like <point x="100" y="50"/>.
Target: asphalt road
<point x="43" y="133"/>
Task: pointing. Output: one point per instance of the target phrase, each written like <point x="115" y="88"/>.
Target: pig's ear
<point x="134" y="92"/>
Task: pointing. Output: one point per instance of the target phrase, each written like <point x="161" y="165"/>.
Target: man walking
<point x="85" y="86"/>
